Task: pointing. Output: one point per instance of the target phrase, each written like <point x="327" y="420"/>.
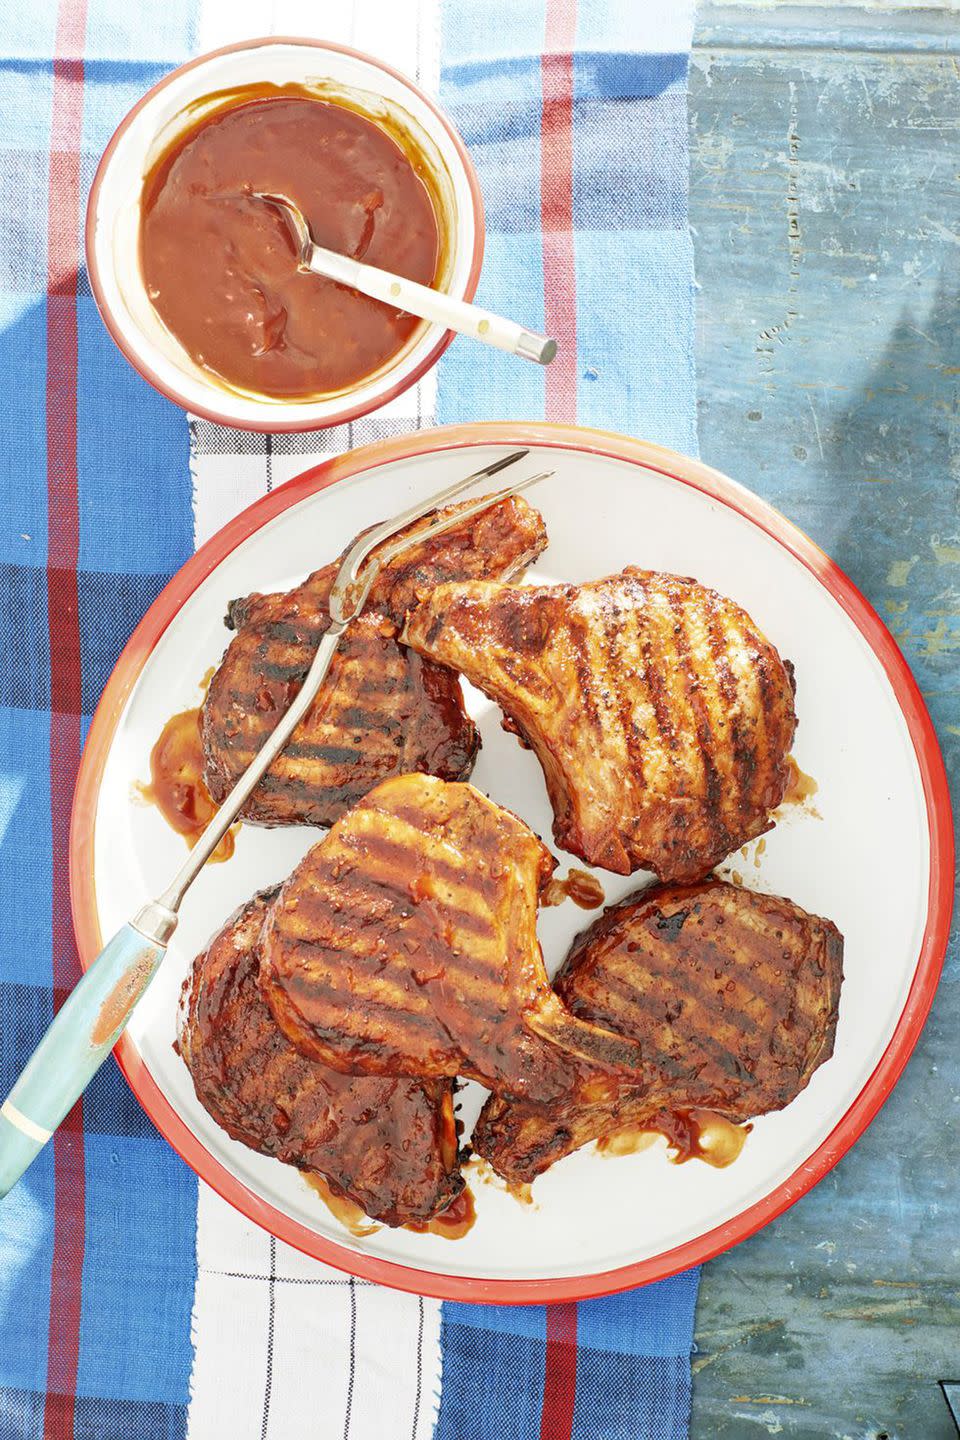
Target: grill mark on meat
<point x="330" y="754"/>
<point x="374" y="685"/>
<point x="290" y="783"/>
<point x="744" y="963"/>
<point x="639" y="1006"/>
<point x="453" y="984"/>
<point x="742" y="1052"/>
<point x="654" y="680"/>
<point x="441" y="861"/>
<point x="696" y="1017"/>
<point x="355" y="1006"/>
<point x="293" y="632"/>
<point x="659" y="964"/>
<point x="718" y="704"/>
<point x="358" y="893"/>
<point x="765" y="683"/>
<point x="487" y="844"/>
<point x="355" y="717"/>
<point x="381" y="1019"/>
<point x="703" y="729"/>
<point x="702" y="701"/>
<point x="616" y="656"/>
<point x="675" y="685"/>
<point x="744" y="751"/>
<point x="380" y="1142"/>
<point x="582" y="644"/>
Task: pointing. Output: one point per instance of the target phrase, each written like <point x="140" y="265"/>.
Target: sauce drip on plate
<point x="628" y="1141"/>
<point x="800" y="787"/>
<point x="579" y="886"/>
<point x="348" y="1212"/>
<point x="451" y="1224"/>
<point x="705" y="1135"/>
<point x="484" y="1173"/>
<point x="176" y="782"/>
<point x="690" y="1134"/>
<point x="220" y="266"/>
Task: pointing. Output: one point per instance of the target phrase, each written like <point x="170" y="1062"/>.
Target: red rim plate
<point x="939" y="820"/>
<point x="297" y="424"/>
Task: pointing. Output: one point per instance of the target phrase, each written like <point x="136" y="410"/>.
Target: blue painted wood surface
<point x="826" y="210"/>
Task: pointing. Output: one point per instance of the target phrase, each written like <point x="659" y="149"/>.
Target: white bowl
<point x="113" y="219"/>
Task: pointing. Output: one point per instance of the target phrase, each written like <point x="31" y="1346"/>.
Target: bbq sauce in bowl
<point x="220" y="267"/>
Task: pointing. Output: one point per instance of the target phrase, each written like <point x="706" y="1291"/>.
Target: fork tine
<point x="349" y="591"/>
<point x="390" y="552"/>
<point x="363" y="546"/>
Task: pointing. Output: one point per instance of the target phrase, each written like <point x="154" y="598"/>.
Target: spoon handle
<point x="432" y="305"/>
<point x="79" y="1039"/>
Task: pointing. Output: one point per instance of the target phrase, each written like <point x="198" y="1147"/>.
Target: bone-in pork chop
<point x="660" y="714"/>
<point x="382" y="710"/>
<point x="387" y="1144"/>
<point x="405" y="944"/>
<point x="731" y="995"/>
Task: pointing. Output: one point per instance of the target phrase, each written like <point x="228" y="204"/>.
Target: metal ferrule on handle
<point x="84" y="1031"/>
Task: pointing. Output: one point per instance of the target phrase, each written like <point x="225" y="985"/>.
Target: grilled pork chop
<point x="382" y="710"/>
<point x="389" y="1145"/>
<point x="405" y="944"/>
<point x="732" y="995"/>
<point x="661" y="715"/>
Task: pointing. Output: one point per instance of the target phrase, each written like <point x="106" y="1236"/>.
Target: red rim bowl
<point x="290" y="416"/>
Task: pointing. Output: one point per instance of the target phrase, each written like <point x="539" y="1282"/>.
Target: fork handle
<point x="432" y="305"/>
<point x="84" y="1031"/>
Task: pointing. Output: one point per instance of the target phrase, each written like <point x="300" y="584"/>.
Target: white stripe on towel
<point x="285" y="1346"/>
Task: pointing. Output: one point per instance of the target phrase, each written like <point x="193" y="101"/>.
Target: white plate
<point x="874" y="856"/>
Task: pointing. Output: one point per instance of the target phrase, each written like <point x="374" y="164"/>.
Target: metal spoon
<point x="420" y="300"/>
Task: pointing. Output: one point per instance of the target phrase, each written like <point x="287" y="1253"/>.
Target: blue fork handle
<point x="84" y="1031"/>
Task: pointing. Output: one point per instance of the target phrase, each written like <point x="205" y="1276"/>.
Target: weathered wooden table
<point x="825" y="203"/>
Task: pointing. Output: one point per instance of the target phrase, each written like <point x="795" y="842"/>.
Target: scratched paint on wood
<point x="826" y="212"/>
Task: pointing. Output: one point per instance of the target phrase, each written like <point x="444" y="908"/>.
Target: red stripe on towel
<point x="556" y="208"/>
<point x="560" y="1378"/>
<point x="63" y="534"/>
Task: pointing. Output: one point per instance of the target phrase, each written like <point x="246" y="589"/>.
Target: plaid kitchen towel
<point x="134" y="1303"/>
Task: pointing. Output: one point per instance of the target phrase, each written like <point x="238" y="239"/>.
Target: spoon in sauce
<point x="416" y="299"/>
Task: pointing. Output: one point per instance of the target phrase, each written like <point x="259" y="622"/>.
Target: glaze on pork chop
<point x="387" y="1144"/>
<point x="732" y="996"/>
<point x="382" y="710"/>
<point x="660" y="714"/>
<point x="405" y="943"/>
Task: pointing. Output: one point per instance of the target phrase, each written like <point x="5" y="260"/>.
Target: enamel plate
<point x="872" y="850"/>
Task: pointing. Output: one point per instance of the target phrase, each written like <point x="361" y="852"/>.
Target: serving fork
<point x="95" y="1014"/>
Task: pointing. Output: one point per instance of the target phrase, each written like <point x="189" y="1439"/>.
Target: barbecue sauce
<point x="704" y="1135"/>
<point x="481" y="1169"/>
<point x="628" y="1141"/>
<point x="690" y="1135"/>
<point x="220" y="266"/>
<point x="579" y="886"/>
<point x="800" y="787"/>
<point x="452" y="1223"/>
<point x="348" y="1212"/>
<point x="176" y="782"/>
